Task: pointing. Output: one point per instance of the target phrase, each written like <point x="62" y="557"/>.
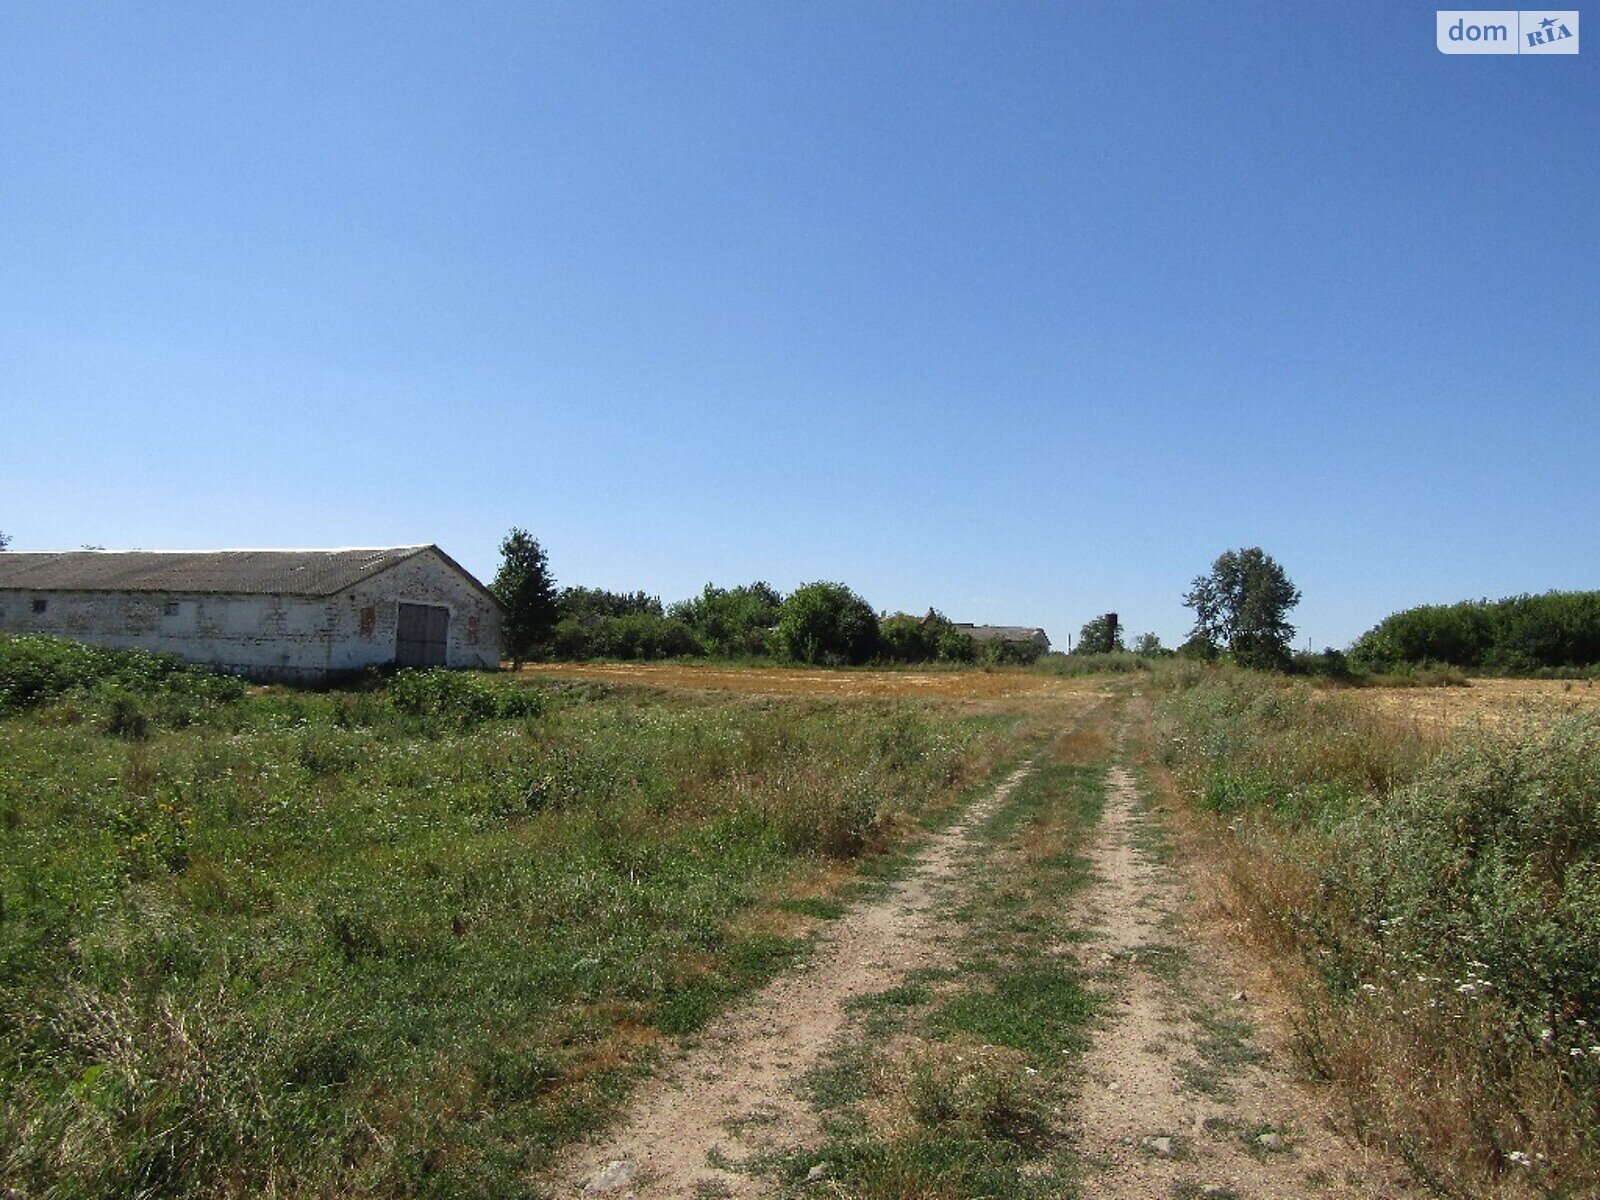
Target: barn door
<point x="420" y="635"/>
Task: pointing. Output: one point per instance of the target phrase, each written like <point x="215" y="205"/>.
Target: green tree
<point x="587" y="603"/>
<point x="1519" y="633"/>
<point x="731" y="621"/>
<point x="1241" y="605"/>
<point x="1148" y="645"/>
<point x="827" y="623"/>
<point x="5" y="541"/>
<point x="950" y="643"/>
<point x="526" y="593"/>
<point x="904" y="638"/>
<point x="1100" y="636"/>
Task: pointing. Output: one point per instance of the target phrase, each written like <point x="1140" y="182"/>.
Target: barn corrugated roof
<point x="236" y="572"/>
<point x="999" y="633"/>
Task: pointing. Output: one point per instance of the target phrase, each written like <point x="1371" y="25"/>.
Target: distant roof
<point x="1001" y="633"/>
<point x="240" y="572"/>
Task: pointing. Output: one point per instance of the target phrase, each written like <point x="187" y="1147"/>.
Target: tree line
<point x="1240" y="613"/>
<point x="821" y="623"/>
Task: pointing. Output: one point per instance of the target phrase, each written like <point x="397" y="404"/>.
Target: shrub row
<point x="1518" y="635"/>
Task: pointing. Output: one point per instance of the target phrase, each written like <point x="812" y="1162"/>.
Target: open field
<point x="1493" y="703"/>
<point x="419" y="938"/>
<point x="965" y="684"/>
<point x="1489" y="702"/>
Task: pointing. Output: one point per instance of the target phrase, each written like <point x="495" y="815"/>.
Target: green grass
<point x="1222" y="1050"/>
<point x="1040" y="1008"/>
<point x="821" y="908"/>
<point x="399" y="943"/>
<point x="887" y="1012"/>
<point x="1167" y="963"/>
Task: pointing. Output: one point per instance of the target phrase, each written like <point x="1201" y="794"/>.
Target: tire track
<point x="733" y="1096"/>
<point x="1181" y="1095"/>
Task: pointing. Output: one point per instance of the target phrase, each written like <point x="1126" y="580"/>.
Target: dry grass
<point x="1416" y="1082"/>
<point x="1506" y="704"/>
<point x="961" y="1084"/>
<point x="1089" y="740"/>
<point x="956" y="685"/>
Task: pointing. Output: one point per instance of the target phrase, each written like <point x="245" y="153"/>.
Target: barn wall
<point x="269" y="636"/>
<point x="364" y="617"/>
<point x="279" y="637"/>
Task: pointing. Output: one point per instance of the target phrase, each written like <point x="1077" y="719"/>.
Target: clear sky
<point x="1022" y="311"/>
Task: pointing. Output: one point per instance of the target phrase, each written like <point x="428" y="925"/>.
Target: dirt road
<point x="1188" y="1090"/>
<point x="1185" y="1089"/>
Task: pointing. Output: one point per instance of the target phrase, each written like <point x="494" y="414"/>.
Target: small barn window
<point x="369" y="620"/>
<point x="39" y="605"/>
<point x="473" y="626"/>
<point x="170" y="608"/>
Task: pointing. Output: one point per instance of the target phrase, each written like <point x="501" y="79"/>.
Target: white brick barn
<point x="270" y="614"/>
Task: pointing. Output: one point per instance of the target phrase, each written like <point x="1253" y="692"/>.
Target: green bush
<point x="1330" y="664"/>
<point x="1056" y="663"/>
<point x="731" y="621"/>
<point x="1519" y="635"/>
<point x="1488" y="866"/>
<point x="930" y="638"/>
<point x="36" y="670"/>
<point x="906" y="639"/>
<point x="584" y="603"/>
<point x="1000" y="653"/>
<point x="128" y="719"/>
<point x="459" y="696"/>
<point x="1100" y="636"/>
<point x="827" y="624"/>
<point x="643" y="636"/>
<point x="639" y="635"/>
<point x="1448" y="899"/>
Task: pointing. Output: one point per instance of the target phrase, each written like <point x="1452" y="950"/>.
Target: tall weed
<point x="1446" y="900"/>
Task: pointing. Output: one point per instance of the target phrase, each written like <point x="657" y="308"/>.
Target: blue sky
<point x="1023" y="311"/>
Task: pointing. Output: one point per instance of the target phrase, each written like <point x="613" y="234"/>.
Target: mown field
<point x="1424" y="866"/>
<point x="405" y="940"/>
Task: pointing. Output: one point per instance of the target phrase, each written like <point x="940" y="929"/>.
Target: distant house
<point x="1005" y="633"/>
<point x="271" y="614"/>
